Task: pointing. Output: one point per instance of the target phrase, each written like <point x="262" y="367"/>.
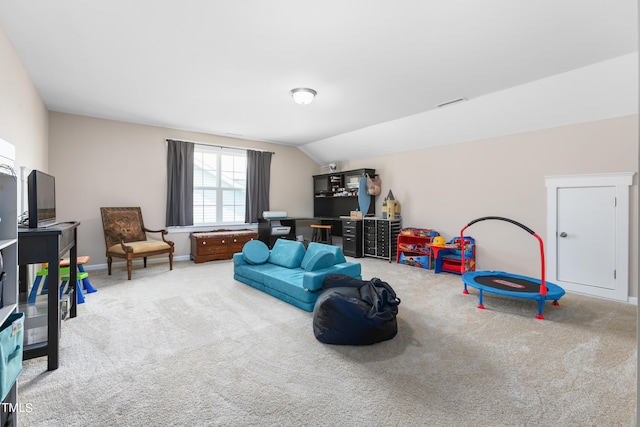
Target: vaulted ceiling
<point x="227" y="67"/>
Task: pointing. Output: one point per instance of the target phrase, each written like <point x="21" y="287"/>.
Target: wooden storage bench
<point x="219" y="244"/>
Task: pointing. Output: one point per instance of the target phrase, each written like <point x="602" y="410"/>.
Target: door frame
<point x="621" y="181"/>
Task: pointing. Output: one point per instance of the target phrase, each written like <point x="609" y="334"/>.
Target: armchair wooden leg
<point x="109" y="260"/>
<point x="171" y="261"/>
<point x="129" y="268"/>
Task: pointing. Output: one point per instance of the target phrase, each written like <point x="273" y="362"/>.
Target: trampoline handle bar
<point x="543" y="283"/>
<point x="524" y="227"/>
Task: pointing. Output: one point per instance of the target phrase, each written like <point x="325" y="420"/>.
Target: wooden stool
<point x="318" y="236"/>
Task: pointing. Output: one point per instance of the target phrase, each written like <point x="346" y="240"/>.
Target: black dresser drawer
<point x="383" y="251"/>
<point x="383" y="226"/>
<point x="352" y="247"/>
<point x="350" y="222"/>
<point x="349" y="243"/>
<point x="370" y="250"/>
<point x="383" y="237"/>
<point x="348" y="231"/>
<point x="352" y="237"/>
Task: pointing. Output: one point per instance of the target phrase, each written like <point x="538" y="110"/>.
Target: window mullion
<point x="219" y="190"/>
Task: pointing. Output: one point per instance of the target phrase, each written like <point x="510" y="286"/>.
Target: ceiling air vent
<point x="453" y="101"/>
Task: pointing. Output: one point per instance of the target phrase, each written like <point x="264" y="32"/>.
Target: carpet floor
<point x="194" y="347"/>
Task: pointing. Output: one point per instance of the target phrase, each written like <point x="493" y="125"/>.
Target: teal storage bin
<point x="11" y="347"/>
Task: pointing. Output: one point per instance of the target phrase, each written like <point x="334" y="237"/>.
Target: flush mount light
<point x="303" y="95"/>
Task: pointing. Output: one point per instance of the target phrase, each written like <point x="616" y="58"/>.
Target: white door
<point x="588" y="234"/>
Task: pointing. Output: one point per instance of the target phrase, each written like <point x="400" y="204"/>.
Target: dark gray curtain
<point x="179" y="183"/>
<point x="258" y="179"/>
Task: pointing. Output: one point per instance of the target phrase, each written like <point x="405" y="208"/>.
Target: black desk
<point x="269" y="230"/>
<point x="39" y="245"/>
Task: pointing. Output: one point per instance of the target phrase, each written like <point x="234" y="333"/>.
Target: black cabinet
<point x="38" y="245"/>
<point x="352" y="237"/>
<point x="380" y="237"/>
<point x="270" y="230"/>
<point x="336" y="194"/>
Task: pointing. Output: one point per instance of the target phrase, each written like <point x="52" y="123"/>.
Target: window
<point x="219" y="185"/>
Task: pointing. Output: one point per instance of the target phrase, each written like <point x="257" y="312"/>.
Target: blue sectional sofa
<point x="289" y="271"/>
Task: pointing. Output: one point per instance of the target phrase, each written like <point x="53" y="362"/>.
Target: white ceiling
<point x="226" y="67"/>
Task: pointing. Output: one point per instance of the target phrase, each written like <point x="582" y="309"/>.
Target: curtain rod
<point x="218" y="145"/>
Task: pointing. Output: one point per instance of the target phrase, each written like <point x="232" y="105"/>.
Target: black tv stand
<point x="39" y="245"/>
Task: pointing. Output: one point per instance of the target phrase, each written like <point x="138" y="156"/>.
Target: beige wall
<point x="23" y="115"/>
<point x="108" y="163"/>
<point x="100" y="162"/>
<point x="446" y="187"/>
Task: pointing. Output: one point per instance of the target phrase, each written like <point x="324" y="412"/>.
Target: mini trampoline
<point x="512" y="285"/>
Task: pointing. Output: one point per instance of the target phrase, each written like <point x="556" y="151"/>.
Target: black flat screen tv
<point x="41" y="189"/>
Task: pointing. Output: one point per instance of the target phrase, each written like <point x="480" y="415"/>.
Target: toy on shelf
<point x="390" y="207"/>
<point x="438" y="241"/>
<point x="413" y="247"/>
<point x="418" y="232"/>
<point x="449" y="258"/>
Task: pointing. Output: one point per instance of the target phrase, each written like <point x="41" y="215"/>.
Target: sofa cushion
<point x="257" y="273"/>
<point x="287" y="253"/>
<point x="353" y="269"/>
<point x="289" y="282"/>
<point x="319" y="261"/>
<point x="255" y="252"/>
<point x="313" y="280"/>
<point x="315" y="247"/>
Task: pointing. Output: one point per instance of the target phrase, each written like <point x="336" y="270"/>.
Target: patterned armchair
<point x="125" y="237"/>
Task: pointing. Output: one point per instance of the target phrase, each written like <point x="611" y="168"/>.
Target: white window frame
<point x="219" y="187"/>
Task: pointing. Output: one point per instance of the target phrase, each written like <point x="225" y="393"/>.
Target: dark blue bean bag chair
<point x="355" y="312"/>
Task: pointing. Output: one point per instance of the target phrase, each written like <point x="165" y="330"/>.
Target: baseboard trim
<point x="149" y="261"/>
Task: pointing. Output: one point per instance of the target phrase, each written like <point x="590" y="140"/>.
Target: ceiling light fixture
<point x="303" y="95"/>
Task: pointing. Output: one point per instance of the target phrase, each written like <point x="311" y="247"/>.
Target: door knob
<point x="563" y="234"/>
